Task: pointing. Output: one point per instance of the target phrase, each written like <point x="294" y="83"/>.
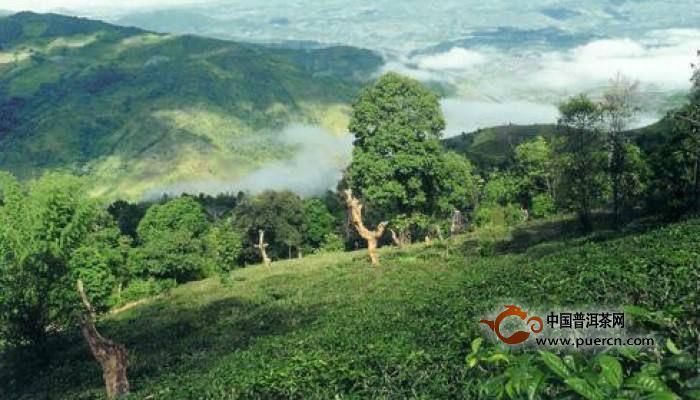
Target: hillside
<point x="330" y="326"/>
<point x="494" y="147"/>
<point x="134" y="110"/>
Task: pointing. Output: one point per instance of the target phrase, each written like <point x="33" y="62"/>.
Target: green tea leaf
<point x="672" y="347"/>
<point x="611" y="371"/>
<point x="555" y="364"/>
<point x="584" y="388"/>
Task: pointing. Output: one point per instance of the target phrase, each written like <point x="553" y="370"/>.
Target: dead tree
<point x="457" y="223"/>
<point x="372" y="237"/>
<point x="110" y="355"/>
<point x="396" y="239"/>
<point x="262" y="246"/>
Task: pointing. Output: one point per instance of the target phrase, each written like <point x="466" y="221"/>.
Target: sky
<point x="78" y="5"/>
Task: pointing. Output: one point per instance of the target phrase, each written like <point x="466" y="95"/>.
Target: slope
<point x="133" y="109"/>
<point x="330" y="326"/>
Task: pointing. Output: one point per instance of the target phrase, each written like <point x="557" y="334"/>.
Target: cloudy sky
<point x="78" y="5"/>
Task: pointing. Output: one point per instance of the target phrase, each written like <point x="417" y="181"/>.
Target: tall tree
<point x="619" y="110"/>
<point x="51" y="237"/>
<point x="397" y="125"/>
<point x="399" y="170"/>
<point x="172" y="238"/>
<point x="535" y="168"/>
<point x="318" y="223"/>
<point x="581" y="156"/>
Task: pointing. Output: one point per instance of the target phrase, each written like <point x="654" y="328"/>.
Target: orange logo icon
<point x="534" y="323"/>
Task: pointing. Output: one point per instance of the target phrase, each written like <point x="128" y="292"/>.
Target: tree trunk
<point x="262" y="246"/>
<point x="396" y="239"/>
<point x="110" y="355"/>
<point x="355" y="210"/>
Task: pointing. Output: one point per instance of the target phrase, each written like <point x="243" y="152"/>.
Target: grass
<point x="331" y="326"/>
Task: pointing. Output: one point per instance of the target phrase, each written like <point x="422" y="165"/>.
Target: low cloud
<point x="455" y="59"/>
<point x="660" y="59"/>
<point x="82" y="5"/>
<point x="316" y="167"/>
<point x="469" y="115"/>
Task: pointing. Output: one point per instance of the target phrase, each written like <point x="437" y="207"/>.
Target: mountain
<point x="134" y="110"/>
<point x="494" y="147"/>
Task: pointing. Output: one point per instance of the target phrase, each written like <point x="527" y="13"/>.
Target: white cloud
<point x="455" y="59"/>
<point x="316" y="167"/>
<point x="82" y="5"/>
<point x="468" y="115"/>
<point x="660" y="59"/>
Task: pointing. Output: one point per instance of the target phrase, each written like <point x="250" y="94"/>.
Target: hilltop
<point x="133" y="109"/>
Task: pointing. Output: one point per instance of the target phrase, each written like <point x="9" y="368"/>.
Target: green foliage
<point x="581" y="157"/>
<point x="280" y="215"/>
<point x="224" y="246"/>
<point x="543" y="206"/>
<point x="675" y="188"/>
<point x="494" y="148"/>
<point x="498" y="215"/>
<point x="51" y="235"/>
<point x="135" y="111"/>
<point x="500" y="189"/>
<point x="139" y="289"/>
<point x="458" y="185"/>
<point x="127" y="216"/>
<point x="535" y="169"/>
<point x="328" y="326"/>
<point x="332" y="242"/>
<point x="398" y="167"/>
<point x="172" y="239"/>
<point x="318" y="223"/>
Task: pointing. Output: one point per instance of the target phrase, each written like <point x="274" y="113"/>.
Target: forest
<point x="592" y="193"/>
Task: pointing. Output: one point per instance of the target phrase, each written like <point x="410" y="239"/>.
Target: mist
<point x="470" y="115"/>
<point x="318" y="164"/>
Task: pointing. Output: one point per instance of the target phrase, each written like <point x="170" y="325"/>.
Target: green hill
<point x="330" y="326"/>
<point x="133" y="109"/>
<point x="494" y="147"/>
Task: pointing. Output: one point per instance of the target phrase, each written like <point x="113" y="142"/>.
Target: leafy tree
<point x="318" y="223"/>
<point x="172" y="238"/>
<point x="677" y="164"/>
<point x="224" y="244"/>
<point x="535" y="166"/>
<point x="676" y="184"/>
<point x="500" y="188"/>
<point x="399" y="169"/>
<point x="279" y="214"/>
<point x="397" y="125"/>
<point x="332" y="242"/>
<point x="127" y="215"/>
<point x="458" y="185"/>
<point x="52" y="235"/>
<point x="618" y="110"/>
<point x="581" y="156"/>
<point x="217" y="207"/>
